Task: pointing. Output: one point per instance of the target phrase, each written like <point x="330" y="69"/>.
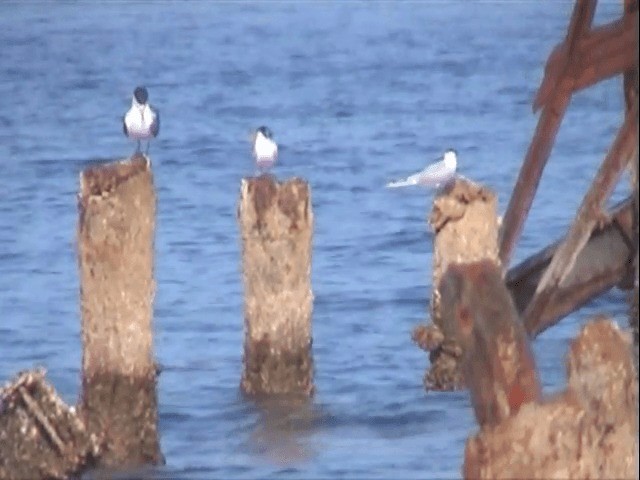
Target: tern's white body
<point x="141" y="121"/>
<point x="265" y="150"/>
<point x="435" y="175"/>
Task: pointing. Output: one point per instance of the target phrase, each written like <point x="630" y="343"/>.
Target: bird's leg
<point x="138" y="146"/>
<point x="146" y="152"/>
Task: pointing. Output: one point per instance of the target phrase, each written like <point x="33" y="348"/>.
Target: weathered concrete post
<point x="465" y="225"/>
<point x="276" y="225"/>
<point x="117" y="208"/>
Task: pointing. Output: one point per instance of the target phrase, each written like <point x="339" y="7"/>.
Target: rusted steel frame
<point x="604" y="51"/>
<point x="602" y="264"/>
<point x="544" y="137"/>
<point x="564" y="55"/>
<point x="530" y="173"/>
<point x="588" y="216"/>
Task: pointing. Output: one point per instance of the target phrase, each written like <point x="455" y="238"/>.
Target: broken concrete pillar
<point x="276" y="226"/>
<point x="588" y="431"/>
<point x="465" y="225"/>
<point x="117" y="208"/>
<point x="498" y="366"/>
<point x="41" y="436"/>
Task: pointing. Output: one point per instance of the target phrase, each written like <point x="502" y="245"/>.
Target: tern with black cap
<point x="142" y="121"/>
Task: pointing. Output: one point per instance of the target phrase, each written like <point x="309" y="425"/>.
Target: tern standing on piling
<point x="436" y="175"/>
<point x="265" y="149"/>
<point x="142" y="121"/>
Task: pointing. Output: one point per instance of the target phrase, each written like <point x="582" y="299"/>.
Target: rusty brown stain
<point x="289" y="200"/>
<point x="103" y="179"/>
<point x="263" y="191"/>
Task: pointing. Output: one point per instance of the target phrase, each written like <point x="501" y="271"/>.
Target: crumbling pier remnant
<point x="276" y="226"/>
<point x="117" y="211"/>
<point x="465" y="224"/>
<point x="590" y="430"/>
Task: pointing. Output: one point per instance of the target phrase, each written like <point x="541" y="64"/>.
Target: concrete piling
<point x="117" y="208"/>
<point x="276" y="226"/>
<point x="465" y="225"/>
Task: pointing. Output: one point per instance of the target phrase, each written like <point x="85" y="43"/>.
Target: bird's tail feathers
<point x="402" y="183"/>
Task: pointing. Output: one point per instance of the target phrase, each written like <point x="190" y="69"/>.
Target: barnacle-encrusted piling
<point x="465" y="225"/>
<point x="276" y="226"/>
<point x="117" y="208"/>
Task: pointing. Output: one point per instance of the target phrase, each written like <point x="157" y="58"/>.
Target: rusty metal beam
<point x="589" y="215"/>
<point x="603" y="263"/>
<point x="630" y="83"/>
<point x="530" y="173"/>
<point x="603" y="51"/>
<point x="546" y="131"/>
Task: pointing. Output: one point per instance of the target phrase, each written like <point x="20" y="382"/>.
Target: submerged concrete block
<point x="41" y="436"/>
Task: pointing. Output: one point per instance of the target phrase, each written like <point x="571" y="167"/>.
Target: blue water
<point x="357" y="94"/>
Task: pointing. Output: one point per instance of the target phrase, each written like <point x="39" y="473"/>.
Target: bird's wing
<point x="434" y="175"/>
<point x="124" y="125"/>
<point x="155" y="125"/>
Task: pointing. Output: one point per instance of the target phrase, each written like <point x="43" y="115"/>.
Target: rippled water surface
<point x="357" y="94"/>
